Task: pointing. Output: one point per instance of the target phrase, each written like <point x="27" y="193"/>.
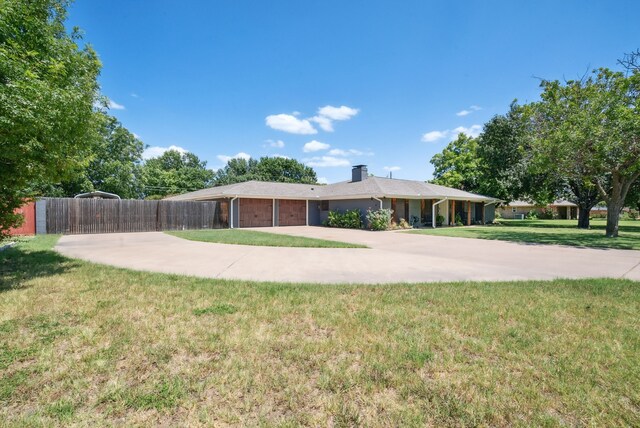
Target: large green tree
<point x="114" y="166"/>
<point x="173" y="173"/>
<point x="505" y="160"/>
<point x="237" y="170"/>
<point x="48" y="86"/>
<point x="589" y="131"/>
<point x="275" y="169"/>
<point x="285" y="171"/>
<point x="457" y="165"/>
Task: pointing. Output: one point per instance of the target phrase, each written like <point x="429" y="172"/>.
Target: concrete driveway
<point x="392" y="257"/>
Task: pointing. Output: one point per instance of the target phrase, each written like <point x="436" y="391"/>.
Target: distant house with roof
<point x="560" y="209"/>
<point x="268" y="204"/>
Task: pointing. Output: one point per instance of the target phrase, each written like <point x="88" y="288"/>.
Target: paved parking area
<point x="392" y="257"/>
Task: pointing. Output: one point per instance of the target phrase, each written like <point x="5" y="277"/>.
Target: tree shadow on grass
<point x="625" y="226"/>
<point x="573" y="239"/>
<point x="21" y="263"/>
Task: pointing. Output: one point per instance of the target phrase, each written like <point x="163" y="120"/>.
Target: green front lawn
<point x="558" y="232"/>
<point x="264" y="239"/>
<point x="91" y="345"/>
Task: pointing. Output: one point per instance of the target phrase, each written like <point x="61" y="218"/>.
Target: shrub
<point x="546" y="214"/>
<point x="350" y="219"/>
<point x="439" y="220"/>
<point x="404" y="224"/>
<point x="531" y="215"/>
<point x="379" y="219"/>
<point x="458" y="220"/>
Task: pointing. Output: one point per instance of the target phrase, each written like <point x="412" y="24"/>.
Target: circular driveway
<point x="392" y="258"/>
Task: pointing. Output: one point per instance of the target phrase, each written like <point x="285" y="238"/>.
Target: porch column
<point x="452" y="215"/>
<point x="483" y="208"/>
<point x="468" y="213"/>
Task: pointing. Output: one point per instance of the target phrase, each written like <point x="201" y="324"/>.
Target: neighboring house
<point x="263" y="204"/>
<point x="518" y="209"/>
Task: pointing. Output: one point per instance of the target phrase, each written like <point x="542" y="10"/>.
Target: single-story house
<point x="518" y="209"/>
<point x="267" y="204"/>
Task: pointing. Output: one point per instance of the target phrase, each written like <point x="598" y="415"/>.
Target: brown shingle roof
<point x="372" y="187"/>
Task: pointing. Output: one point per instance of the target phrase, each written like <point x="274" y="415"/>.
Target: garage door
<point x="256" y="212"/>
<point x="292" y="213"/>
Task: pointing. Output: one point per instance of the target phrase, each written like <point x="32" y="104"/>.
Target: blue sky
<point x="337" y="83"/>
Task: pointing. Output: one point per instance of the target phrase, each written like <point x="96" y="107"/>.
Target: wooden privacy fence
<point x="75" y="216"/>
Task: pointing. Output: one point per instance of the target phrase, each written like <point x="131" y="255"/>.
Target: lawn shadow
<point x="20" y="263"/>
<point x="624" y="226"/>
<point x="572" y="239"/>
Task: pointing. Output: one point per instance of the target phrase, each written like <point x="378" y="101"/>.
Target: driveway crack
<point x="630" y="270"/>
<point x="234" y="262"/>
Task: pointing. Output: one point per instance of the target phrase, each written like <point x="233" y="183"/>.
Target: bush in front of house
<point x="458" y="220"/>
<point x="349" y="219"/>
<point x="531" y="215"/>
<point x="546" y="214"/>
<point x="379" y="219"/>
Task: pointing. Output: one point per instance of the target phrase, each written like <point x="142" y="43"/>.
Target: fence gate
<point x="76" y="216"/>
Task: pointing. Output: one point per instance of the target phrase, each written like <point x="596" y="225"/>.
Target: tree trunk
<point x="583" y="217"/>
<point x="614" y="207"/>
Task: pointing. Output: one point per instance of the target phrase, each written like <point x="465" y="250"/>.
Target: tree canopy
<point x="457" y="165"/>
<point x="588" y="130"/>
<point x="276" y="169"/>
<point x="48" y="86"/>
<point x="173" y="173"/>
<point x="114" y="164"/>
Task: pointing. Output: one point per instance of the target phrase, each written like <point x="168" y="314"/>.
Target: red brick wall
<point x="29" y="225"/>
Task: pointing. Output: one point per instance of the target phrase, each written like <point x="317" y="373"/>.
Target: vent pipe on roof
<point x="359" y="173"/>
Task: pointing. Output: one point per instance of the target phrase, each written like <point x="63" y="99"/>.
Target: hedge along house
<point x="267" y="204"/>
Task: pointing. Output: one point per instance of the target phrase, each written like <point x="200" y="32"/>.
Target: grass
<point x="91" y="345"/>
<point x="263" y="239"/>
<point x="555" y="232"/>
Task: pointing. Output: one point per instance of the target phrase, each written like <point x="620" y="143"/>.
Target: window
<point x="324" y="205"/>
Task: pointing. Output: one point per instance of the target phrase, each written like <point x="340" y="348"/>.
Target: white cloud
<point x="350" y="152"/>
<point x="241" y="155"/>
<point x="338" y="113"/>
<point x="472" y="131"/>
<point x="115" y="106"/>
<point x="392" y="168"/>
<point x="134" y="95"/>
<point x="281" y="156"/>
<point x="325" y="117"/>
<point x="277" y="143"/>
<point x="338" y="152"/>
<point x="314" y="146"/>
<point x="467" y="112"/>
<point x="324" y="122"/>
<point x="326" y="161"/>
<point x="323" y="180"/>
<point x="290" y="124"/>
<point x="327" y="114"/>
<point x="155" y="151"/>
<point x="432" y="136"/>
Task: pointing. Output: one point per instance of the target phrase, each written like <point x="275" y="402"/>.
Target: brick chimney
<point x="359" y="173"/>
